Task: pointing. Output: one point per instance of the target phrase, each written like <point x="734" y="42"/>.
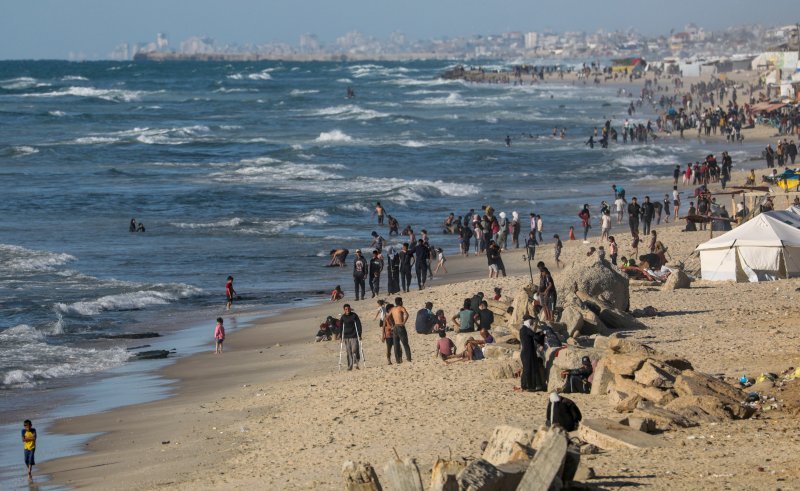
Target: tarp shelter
<point x="762" y="249"/>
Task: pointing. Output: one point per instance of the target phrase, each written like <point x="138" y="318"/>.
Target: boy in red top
<point x="444" y="346"/>
<point x="229" y="292"/>
<point x="219" y="336"/>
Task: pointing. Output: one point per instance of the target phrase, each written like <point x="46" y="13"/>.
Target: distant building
<point x="531" y="40"/>
<point x="309" y="43"/>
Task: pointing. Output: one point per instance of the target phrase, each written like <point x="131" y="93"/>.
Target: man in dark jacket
<point x="421" y="256"/>
<point x="577" y="379"/>
<point x="359" y="274"/>
<point x="375" y="268"/>
<point x="425" y="320"/>
<point x="648" y="211"/>
<point x="562" y="412"/>
<point x="406" y="259"/>
<point x="351" y="336"/>
<point x="634" y="210"/>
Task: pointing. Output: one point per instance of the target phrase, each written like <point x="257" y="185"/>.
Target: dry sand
<point x="273" y="412"/>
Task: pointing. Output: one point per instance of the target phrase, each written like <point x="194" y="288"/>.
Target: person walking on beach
<point x="386" y="332"/>
<point x="406" y="262"/>
<point x="647" y="214"/>
<point x="229" y="292"/>
<point x="440" y="260"/>
<point x="558" y="247"/>
<point x="421" y="255"/>
<point x="375" y="268"/>
<point x="351" y="336"/>
<point x="605" y="225"/>
<point x="619" y="204"/>
<point x="613" y="250"/>
<point x="676" y="201"/>
<point x="540" y="228"/>
<point x="29" y="446"/>
<point x="399" y="316"/>
<point x="585" y="217"/>
<point x="219" y="336"/>
<point x="634" y="211"/>
<point x="666" y="208"/>
<point x="359" y="274"/>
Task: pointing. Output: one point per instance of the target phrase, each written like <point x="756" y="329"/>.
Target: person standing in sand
<point x="399" y="316"/>
<point x="219" y="336"/>
<point x="359" y="274"/>
<point x="406" y="262"/>
<point x="532" y="376"/>
<point x="351" y="336"/>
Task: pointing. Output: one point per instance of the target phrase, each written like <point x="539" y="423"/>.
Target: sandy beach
<point x="273" y="411"/>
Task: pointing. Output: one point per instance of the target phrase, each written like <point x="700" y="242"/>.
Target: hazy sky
<point x="54" y="28"/>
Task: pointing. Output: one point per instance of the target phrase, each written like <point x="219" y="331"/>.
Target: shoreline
<point x="201" y="389"/>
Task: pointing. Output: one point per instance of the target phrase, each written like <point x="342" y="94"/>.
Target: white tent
<point x="762" y="249"/>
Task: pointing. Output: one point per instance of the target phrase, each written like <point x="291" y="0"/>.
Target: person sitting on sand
<point x="441" y="322"/>
<point x="444" y="346"/>
<point x="576" y="380"/>
<point x="337" y="294"/>
<point x="324" y="333"/>
<point x="487" y="338"/>
<point x="472" y="351"/>
<point x="562" y="412"/>
<point x="464" y="319"/>
<point x="426" y="320"/>
<point x="498" y="292"/>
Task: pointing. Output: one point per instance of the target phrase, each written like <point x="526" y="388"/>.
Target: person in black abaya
<point x="532" y="378"/>
<point x="393" y="271"/>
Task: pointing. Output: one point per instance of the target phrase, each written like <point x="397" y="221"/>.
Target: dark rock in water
<point x="151" y="355"/>
<point x="130" y="335"/>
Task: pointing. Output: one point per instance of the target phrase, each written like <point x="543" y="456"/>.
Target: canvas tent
<point x="762" y="249"/>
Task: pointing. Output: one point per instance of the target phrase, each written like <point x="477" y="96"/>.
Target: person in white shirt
<point x="619" y="204"/>
<point x="605" y="226"/>
<point x="676" y="200"/>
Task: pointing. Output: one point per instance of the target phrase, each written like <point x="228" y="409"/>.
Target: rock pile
<point x="665" y="389"/>
<point x="513" y="458"/>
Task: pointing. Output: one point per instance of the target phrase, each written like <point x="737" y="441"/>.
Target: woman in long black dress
<point x="532" y="378"/>
<point x="393" y="270"/>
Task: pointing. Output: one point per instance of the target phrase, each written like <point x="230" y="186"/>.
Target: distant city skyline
<point x="92" y="29"/>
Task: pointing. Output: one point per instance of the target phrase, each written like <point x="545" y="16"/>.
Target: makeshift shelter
<point x="762" y="249"/>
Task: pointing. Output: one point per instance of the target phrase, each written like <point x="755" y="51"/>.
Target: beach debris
<point x="165" y="442"/>
<point x="360" y="476"/>
<point x="403" y="475"/>
<point x="607" y="434"/>
<point x="545" y="469"/>
<point x="479" y="475"/>
<point x="152" y="354"/>
<point x="444" y="472"/>
<point x="130" y="335"/>
<point x="508" y="444"/>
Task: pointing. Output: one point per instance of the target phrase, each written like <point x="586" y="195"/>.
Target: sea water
<point x="258" y="170"/>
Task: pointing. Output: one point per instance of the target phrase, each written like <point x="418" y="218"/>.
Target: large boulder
<point x="522" y="305"/>
<point x="573" y="320"/>
<point x="596" y="278"/>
